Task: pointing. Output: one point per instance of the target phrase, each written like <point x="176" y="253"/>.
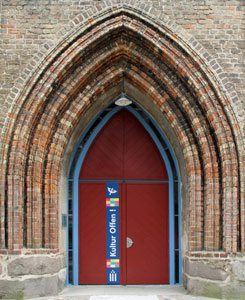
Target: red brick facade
<point x="163" y="61"/>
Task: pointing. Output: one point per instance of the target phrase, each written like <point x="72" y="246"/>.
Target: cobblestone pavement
<point x="124" y="293"/>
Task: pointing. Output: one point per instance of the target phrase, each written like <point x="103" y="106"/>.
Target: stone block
<point x="10" y="288"/>
<point x="43" y="286"/>
<point x="33" y="287"/>
<point x="238" y="269"/>
<point x="234" y="291"/>
<point x="207" y="288"/>
<point x="35" y="265"/>
<point x="200" y="269"/>
<point x="203" y="288"/>
<point x="62" y="278"/>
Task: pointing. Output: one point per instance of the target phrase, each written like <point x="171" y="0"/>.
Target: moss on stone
<point x="19" y="295"/>
<point x="209" y="290"/>
<point x="214" y="291"/>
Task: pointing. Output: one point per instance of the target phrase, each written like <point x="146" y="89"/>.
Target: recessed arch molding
<point x="175" y="79"/>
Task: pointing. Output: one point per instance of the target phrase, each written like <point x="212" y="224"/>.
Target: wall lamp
<point x="123" y="100"/>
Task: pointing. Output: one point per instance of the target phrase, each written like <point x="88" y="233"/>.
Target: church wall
<point x="27" y="25"/>
<point x="31" y="32"/>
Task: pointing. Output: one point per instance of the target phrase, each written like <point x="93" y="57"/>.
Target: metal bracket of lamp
<point x="123" y="100"/>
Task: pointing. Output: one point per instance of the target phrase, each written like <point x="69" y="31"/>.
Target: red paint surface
<point x="92" y="233"/>
<point x="147" y="261"/>
<point x="123" y="150"/>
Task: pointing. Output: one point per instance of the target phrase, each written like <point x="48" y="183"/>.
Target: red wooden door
<point x="147" y="260"/>
<point x="124" y="151"/>
<point x="92" y="233"/>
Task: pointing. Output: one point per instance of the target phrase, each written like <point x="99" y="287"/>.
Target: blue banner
<point x="112" y="233"/>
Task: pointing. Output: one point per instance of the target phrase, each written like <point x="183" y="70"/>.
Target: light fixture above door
<point x="123" y="99"/>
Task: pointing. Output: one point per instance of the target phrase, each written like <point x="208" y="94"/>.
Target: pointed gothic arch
<point x="79" y="76"/>
<point x="81" y="156"/>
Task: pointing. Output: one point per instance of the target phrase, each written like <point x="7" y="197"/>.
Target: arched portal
<point x="174" y="77"/>
<point x="126" y="147"/>
<point x="178" y="83"/>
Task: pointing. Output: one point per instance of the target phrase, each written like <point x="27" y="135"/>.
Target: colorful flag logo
<point x="112" y="263"/>
<point x="112" y="202"/>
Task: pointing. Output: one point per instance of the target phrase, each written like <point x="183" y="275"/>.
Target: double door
<point x="143" y="233"/>
<point x="124" y="152"/>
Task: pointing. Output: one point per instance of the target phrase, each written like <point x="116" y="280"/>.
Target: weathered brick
<point x="60" y="59"/>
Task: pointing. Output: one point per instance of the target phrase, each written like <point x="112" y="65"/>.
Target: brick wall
<point x="59" y="58"/>
<point x="26" y="25"/>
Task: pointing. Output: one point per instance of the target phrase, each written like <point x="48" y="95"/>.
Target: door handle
<point x="129" y="242"/>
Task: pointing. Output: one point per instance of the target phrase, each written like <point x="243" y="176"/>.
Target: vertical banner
<point x="112" y="233"/>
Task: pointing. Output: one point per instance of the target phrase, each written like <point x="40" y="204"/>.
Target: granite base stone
<point x="35" y="265"/>
<point x="32" y="275"/>
<point x="215" y="277"/>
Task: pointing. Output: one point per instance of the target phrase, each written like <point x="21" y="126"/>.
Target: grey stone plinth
<point x="33" y="287"/>
<point x="10" y="288"/>
<point x="35" y="265"/>
<point x="238" y="269"/>
<point x="206" y="288"/>
<point x="203" y="270"/>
